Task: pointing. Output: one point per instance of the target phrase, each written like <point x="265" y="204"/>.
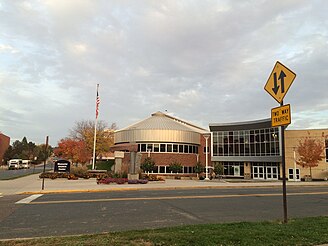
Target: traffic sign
<point x="281" y="116"/>
<point x="281" y="78"/>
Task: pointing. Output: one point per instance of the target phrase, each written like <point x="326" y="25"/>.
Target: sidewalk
<point x="32" y="185"/>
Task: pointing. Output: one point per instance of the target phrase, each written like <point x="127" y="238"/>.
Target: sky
<point x="200" y="61"/>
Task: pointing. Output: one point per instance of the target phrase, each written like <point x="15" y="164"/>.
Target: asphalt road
<point x="9" y="174"/>
<point x="83" y="213"/>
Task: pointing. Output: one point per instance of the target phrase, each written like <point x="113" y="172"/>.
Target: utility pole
<point x="45" y="160"/>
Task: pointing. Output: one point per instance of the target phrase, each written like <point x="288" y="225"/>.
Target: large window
<point x="168" y="147"/>
<point x="256" y="142"/>
<point x="166" y="169"/>
<point x="233" y="168"/>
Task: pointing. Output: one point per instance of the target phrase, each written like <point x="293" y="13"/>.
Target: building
<point x="165" y="139"/>
<point x="4" y="144"/>
<point x="296" y="172"/>
<point x="252" y="150"/>
<point x="247" y="149"/>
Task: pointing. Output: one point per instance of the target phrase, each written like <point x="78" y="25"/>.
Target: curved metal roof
<point x="161" y="121"/>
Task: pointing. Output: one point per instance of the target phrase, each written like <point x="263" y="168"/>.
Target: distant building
<point x="4" y="144"/>
<point x="165" y="139"/>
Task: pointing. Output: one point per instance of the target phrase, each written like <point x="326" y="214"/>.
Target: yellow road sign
<point x="281" y="116"/>
<point x="281" y="78"/>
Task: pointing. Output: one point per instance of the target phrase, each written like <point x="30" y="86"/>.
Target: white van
<point x="15" y="163"/>
<point x="26" y="164"/>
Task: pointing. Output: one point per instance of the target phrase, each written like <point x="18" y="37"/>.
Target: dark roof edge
<point x="241" y="123"/>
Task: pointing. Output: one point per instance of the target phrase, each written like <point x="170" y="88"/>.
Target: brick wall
<point x="4" y="144"/>
<point x="165" y="159"/>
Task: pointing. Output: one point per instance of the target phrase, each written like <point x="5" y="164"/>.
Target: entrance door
<point x="258" y="172"/>
<point x="294" y="174"/>
<point x="298" y="174"/>
<point x="236" y="170"/>
<point x="272" y="173"/>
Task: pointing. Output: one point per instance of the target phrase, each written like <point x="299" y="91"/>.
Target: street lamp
<point x="294" y="171"/>
<point x="206" y="136"/>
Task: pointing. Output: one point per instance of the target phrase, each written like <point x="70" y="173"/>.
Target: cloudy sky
<point x="202" y="61"/>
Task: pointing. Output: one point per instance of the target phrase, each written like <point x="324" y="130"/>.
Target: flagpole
<point x="95" y="135"/>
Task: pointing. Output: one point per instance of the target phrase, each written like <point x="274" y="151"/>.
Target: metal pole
<point x="94" y="146"/>
<point x="206" y="158"/>
<point x="95" y="138"/>
<point x="45" y="160"/>
<point x="283" y="166"/>
<point x="294" y="165"/>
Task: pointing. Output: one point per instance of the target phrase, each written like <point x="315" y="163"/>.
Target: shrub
<point x="176" y="167"/>
<point x="142" y="181"/>
<point x="100" y="176"/>
<point x="132" y="181"/>
<point x="121" y="180"/>
<point x="80" y="172"/>
<point x="112" y="180"/>
<point x="148" y="165"/>
<point x="53" y="175"/>
<point x="151" y="177"/>
<point x="218" y="168"/>
<point x="201" y="177"/>
<point x="138" y="181"/>
<point x="72" y="177"/>
<point x="120" y="175"/>
<point x="104" y="165"/>
<point x="198" y="168"/>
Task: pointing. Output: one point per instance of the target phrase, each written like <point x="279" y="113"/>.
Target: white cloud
<point x="7" y="48"/>
<point x="203" y="61"/>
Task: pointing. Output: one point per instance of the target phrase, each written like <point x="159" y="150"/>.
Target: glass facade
<point x="233" y="168"/>
<point x="254" y="142"/>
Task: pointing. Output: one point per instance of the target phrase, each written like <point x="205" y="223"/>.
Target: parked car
<point x="26" y="164"/>
<point x="15" y="164"/>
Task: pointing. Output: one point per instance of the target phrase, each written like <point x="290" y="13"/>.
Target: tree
<point x="175" y="167"/>
<point x="26" y="150"/>
<point x="84" y="131"/>
<point x="310" y="152"/>
<point x="74" y="150"/>
<point x="218" y="168"/>
<point x="42" y="153"/>
<point x="198" y="168"/>
<point x="148" y="165"/>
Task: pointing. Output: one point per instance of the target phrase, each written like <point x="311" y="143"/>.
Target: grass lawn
<point x="305" y="231"/>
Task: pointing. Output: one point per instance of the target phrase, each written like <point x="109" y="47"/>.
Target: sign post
<point x="280" y="79"/>
<point x="45" y="160"/>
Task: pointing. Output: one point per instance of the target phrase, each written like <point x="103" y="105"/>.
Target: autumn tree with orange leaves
<point x="74" y="150"/>
<point x="78" y="147"/>
<point x="310" y="153"/>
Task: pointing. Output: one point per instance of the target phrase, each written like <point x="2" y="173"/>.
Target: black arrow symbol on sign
<point x="282" y="79"/>
<point x="276" y="87"/>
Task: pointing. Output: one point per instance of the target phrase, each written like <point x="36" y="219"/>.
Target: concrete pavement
<point x="32" y="185"/>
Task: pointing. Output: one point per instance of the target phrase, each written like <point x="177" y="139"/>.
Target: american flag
<point x="97" y="103"/>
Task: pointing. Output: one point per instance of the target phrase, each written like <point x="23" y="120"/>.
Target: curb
<point x="117" y="189"/>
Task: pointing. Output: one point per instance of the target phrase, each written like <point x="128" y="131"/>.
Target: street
<point x="9" y="174"/>
<point x="82" y="213"/>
